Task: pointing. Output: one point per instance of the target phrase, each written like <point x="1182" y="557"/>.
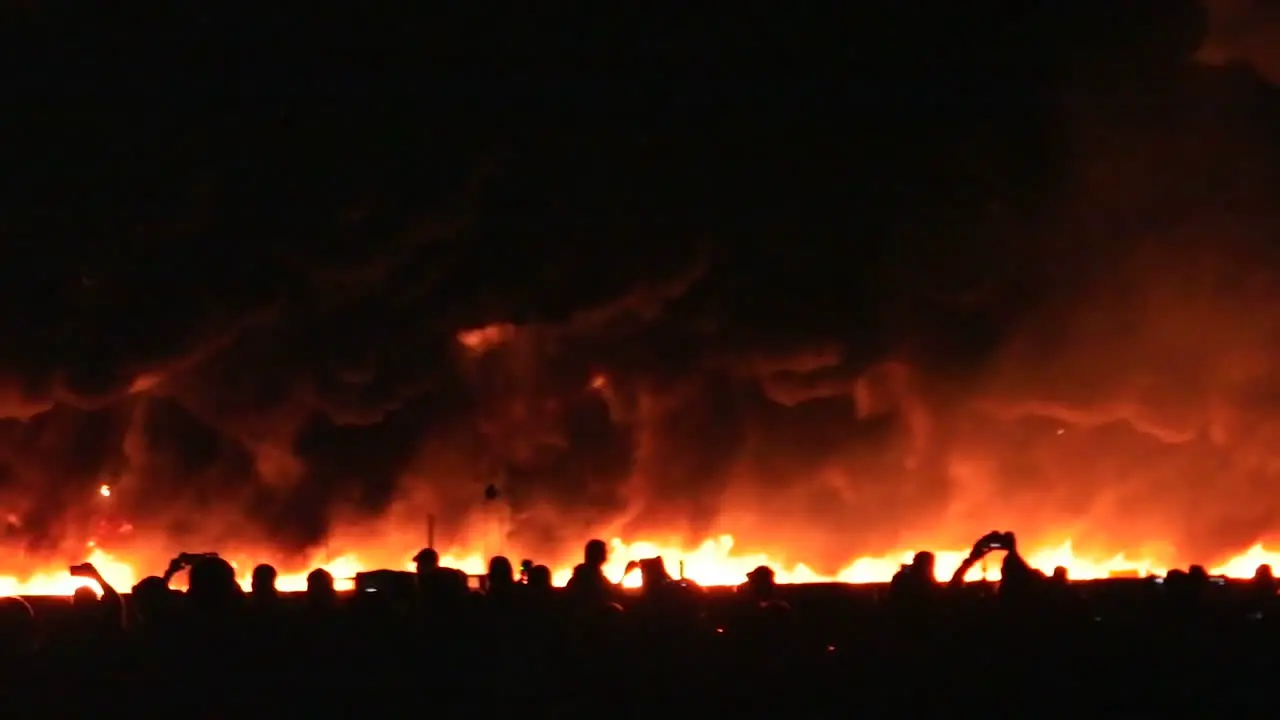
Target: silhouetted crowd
<point x="436" y="642"/>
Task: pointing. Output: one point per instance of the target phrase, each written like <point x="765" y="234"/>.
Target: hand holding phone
<point x="994" y="540"/>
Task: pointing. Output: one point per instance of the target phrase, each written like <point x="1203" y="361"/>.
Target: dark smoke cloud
<point x="722" y="295"/>
<point x="1243" y="32"/>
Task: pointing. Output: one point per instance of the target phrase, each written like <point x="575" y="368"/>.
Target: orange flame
<point x="714" y="562"/>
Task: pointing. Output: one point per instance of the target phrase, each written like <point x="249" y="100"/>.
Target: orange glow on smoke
<point x="715" y="562"/>
<point x="143" y="383"/>
<point x="480" y="340"/>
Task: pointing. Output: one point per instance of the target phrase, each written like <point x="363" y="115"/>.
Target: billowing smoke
<point x="1243" y="32"/>
<point x="302" y="323"/>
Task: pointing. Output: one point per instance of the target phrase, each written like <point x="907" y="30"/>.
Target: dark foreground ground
<point x="1122" y="651"/>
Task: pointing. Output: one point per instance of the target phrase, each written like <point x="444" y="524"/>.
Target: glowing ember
<point x="104" y="490"/>
<point x="712" y="563"/>
<point x="481" y="340"/>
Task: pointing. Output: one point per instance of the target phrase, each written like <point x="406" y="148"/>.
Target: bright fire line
<point x="713" y="563"/>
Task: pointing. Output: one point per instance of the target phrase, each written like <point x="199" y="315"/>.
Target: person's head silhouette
<point x="17" y="625"/>
<point x="84" y="597"/>
<point x="501" y="574"/>
<point x="761" y="583"/>
<point x="540" y="577"/>
<point x="426" y="560"/>
<point x="263" y="584"/>
<point x="320" y="588"/>
<point x="923" y="564"/>
<point x="596" y="554"/>
<point x="211" y="584"/>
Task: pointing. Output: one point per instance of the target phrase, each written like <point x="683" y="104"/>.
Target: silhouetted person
<point x="18" y="637"/>
<point x="501" y="580"/>
<point x="212" y="586"/>
<point x="1177" y="590"/>
<point x="1018" y="581"/>
<point x="1198" y="576"/>
<point x="588" y="585"/>
<point x="440" y="587"/>
<point x="1065" y="604"/>
<point x="537" y="597"/>
<point x="760" y="587"/>
<point x="763" y="611"/>
<point x="1201" y="589"/>
<point x="262" y="588"/>
<point x="321" y="595"/>
<point x="1264" y="577"/>
<point x="1263" y="588"/>
<point x="97" y="615"/>
<point x="654" y="577"/>
<point x="761" y="619"/>
<point x="155" y="604"/>
<point x="539" y="581"/>
<point x="1198" y="583"/>
<point x="1015" y="574"/>
<point x="430" y="584"/>
<point x="1185" y="592"/>
<point x="183" y="561"/>
<point x="915" y="585"/>
<point x="84" y="600"/>
<point x="426" y="561"/>
<point x="670" y="604"/>
<point x="17" y="629"/>
<point x="655" y="582"/>
<point x="268" y="618"/>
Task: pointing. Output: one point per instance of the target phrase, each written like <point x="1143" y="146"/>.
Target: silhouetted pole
<point x="492" y="523"/>
<point x="431" y="530"/>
